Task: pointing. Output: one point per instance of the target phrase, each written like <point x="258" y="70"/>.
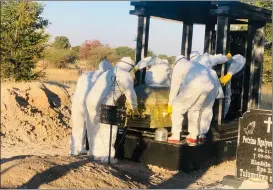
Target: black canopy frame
<point x="210" y="13"/>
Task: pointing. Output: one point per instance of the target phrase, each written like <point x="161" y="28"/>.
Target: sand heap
<point x="34" y="112"/>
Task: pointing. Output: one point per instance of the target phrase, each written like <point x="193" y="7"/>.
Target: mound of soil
<point x="34" y="113"/>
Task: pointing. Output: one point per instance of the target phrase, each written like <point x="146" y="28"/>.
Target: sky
<point x="111" y="23"/>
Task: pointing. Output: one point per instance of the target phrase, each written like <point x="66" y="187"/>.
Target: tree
<point x="171" y="60"/>
<point x="97" y="54"/>
<point x="23" y="38"/>
<point x="76" y="49"/>
<point x="124" y="51"/>
<point x="58" y="58"/>
<point x="265" y="5"/>
<point x="87" y="46"/>
<point x="163" y="56"/>
<point x="267" y="66"/>
<point x="61" y="42"/>
<point x="150" y="53"/>
<point x="75" y="52"/>
<point x="94" y="51"/>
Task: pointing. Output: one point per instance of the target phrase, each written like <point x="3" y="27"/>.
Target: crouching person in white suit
<point x="84" y="85"/>
<point x="106" y="91"/>
<point x="159" y="73"/>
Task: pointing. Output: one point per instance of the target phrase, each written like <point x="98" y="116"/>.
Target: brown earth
<point x="35" y="131"/>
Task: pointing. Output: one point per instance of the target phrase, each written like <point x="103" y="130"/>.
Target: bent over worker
<point x="206" y="113"/>
<point x="106" y="91"/>
<point x="78" y="111"/>
<point x="159" y="73"/>
<point x="191" y="87"/>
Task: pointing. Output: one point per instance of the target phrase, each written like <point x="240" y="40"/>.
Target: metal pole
<point x="110" y="143"/>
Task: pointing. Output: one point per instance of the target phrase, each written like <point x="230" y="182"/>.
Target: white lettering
<point x="260" y="169"/>
<point x="248" y="174"/>
<point x="269" y="123"/>
<point x="248" y="140"/>
<point x="264" y="143"/>
<point x="261" y="163"/>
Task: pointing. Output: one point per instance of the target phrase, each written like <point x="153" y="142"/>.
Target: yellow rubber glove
<point x="170" y="109"/>
<point x="229" y="56"/>
<point x="135" y="111"/>
<point x="225" y="79"/>
<point x="135" y="68"/>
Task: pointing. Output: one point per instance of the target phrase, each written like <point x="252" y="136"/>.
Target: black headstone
<point x="254" y="150"/>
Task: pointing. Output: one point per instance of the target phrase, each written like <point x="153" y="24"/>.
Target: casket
<point x="152" y="105"/>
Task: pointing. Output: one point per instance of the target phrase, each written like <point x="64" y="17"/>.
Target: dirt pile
<point x="34" y="112"/>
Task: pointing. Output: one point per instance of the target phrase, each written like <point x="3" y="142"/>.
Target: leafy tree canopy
<point x="125" y="51"/>
<point x="61" y="42"/>
<point x="23" y="38"/>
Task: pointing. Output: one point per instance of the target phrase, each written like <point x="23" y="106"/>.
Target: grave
<point x="138" y="143"/>
<point x="254" y="147"/>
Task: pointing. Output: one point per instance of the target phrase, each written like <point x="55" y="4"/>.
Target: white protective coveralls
<point x="191" y="89"/>
<point x="78" y="115"/>
<point x="237" y="63"/>
<point x="159" y="73"/>
<point x="105" y="92"/>
<point x="206" y="113"/>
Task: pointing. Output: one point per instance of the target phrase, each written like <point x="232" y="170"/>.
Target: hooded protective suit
<point x="84" y="85"/>
<point x="191" y="88"/>
<point x="159" y="73"/>
<point x="206" y="113"/>
<point x="146" y="62"/>
<point x="236" y="64"/>
<point x="106" y="91"/>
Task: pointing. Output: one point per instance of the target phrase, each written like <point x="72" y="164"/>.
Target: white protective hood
<point x="178" y="58"/>
<point x="159" y="73"/>
<point x="147" y="61"/>
<point x="126" y="64"/>
<point x="194" y="54"/>
<point x="237" y="63"/>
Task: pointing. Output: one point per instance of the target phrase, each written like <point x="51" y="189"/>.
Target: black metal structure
<point x="212" y="13"/>
<point x="245" y="85"/>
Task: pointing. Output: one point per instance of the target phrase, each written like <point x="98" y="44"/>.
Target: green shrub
<point x="267" y="67"/>
<point x="23" y="38"/>
<point x="59" y="58"/>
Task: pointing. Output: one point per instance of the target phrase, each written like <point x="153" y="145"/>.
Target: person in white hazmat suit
<point x="84" y="85"/>
<point x="159" y="73"/>
<point x="106" y="91"/>
<point x="192" y="87"/>
<point x="235" y="65"/>
<point x="206" y="113"/>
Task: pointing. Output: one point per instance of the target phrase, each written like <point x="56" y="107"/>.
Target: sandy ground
<point x="35" y="131"/>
